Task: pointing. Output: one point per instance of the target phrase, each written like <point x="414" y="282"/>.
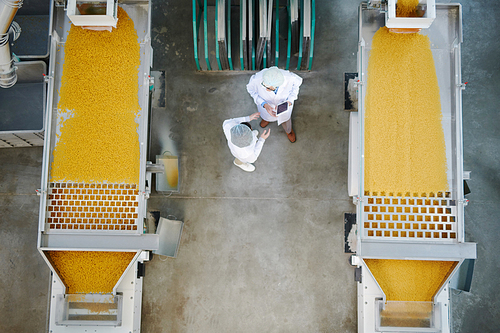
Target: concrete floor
<point x="263" y="252"/>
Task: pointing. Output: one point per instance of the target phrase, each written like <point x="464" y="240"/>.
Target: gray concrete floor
<point x="479" y="311"/>
<point x="263" y="252"/>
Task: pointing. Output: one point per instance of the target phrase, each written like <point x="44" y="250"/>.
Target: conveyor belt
<point x="86" y="216"/>
<point x="445" y="38"/>
<point x="423" y="225"/>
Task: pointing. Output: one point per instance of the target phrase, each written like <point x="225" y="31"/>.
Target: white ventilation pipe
<point x="8" y="9"/>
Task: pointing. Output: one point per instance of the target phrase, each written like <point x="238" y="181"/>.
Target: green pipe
<point x="301" y="34"/>
<point x="195" y="36"/>
<point x="205" y="32"/>
<point x="264" y="57"/>
<point x="228" y="29"/>
<point x="313" y="24"/>
<point x="289" y="47"/>
<point x="277" y="51"/>
<point x="217" y="56"/>
<point x="253" y="33"/>
<point x="242" y="64"/>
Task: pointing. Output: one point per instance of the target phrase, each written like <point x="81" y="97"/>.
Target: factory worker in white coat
<point x="271" y="87"/>
<point x="243" y="142"/>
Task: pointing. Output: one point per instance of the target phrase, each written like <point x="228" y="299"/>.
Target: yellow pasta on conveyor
<point x="99" y="102"/>
<point x="89" y="271"/>
<point x="405" y="149"/>
<point x="406" y="8"/>
<point x="410" y="280"/>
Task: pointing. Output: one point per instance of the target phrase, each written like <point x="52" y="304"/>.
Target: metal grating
<point x="92" y="207"/>
<point x="415" y="218"/>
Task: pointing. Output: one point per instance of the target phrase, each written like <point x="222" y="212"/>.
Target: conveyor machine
<point x="60" y="229"/>
<point x="436" y="231"/>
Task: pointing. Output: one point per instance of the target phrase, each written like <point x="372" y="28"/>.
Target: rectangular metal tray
<point x="445" y="35"/>
<point x="139" y="12"/>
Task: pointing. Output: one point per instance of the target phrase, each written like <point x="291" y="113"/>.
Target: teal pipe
<point x="228" y="29"/>
<point x="313" y="25"/>
<point x="195" y="36"/>
<point x="242" y="64"/>
<point x="289" y="47"/>
<point x="253" y="34"/>
<point x="264" y="57"/>
<point x="301" y="34"/>
<point x="217" y="56"/>
<point x="277" y="51"/>
<point x="205" y="31"/>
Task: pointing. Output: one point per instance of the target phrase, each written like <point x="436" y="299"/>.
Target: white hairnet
<point x="241" y="135"/>
<point x="273" y="77"/>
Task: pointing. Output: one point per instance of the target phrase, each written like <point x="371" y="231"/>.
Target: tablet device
<point x="282" y="108"/>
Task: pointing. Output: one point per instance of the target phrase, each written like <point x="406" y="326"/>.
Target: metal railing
<point x="259" y="34"/>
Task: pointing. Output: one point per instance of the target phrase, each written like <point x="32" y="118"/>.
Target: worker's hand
<point x="289" y="103"/>
<point x="265" y="134"/>
<point x="270" y="109"/>
<point x="255" y="116"/>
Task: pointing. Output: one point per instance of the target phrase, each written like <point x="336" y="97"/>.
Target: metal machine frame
<point x="109" y="19"/>
<point x="56" y="239"/>
<point x="445" y="34"/>
<point x="392" y="21"/>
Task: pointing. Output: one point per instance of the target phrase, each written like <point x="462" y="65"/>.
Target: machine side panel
<point x="353" y="161"/>
<point x="88" y="242"/>
<point x="398" y="250"/>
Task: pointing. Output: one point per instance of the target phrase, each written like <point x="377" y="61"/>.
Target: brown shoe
<point x="263" y="123"/>
<point x="291" y="136"/>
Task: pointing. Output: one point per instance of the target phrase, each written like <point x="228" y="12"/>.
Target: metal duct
<point x="8" y="9"/>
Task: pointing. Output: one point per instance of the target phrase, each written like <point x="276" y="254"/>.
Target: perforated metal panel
<point x="415" y="218"/>
<point x="92" y="207"/>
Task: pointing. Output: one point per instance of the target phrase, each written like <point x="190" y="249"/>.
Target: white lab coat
<point x="288" y="91"/>
<point x="246" y="154"/>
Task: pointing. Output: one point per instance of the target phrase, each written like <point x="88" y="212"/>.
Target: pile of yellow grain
<point x="410" y="280"/>
<point x="99" y="100"/>
<point x="404" y="141"/>
<point x="89" y="271"/>
<point x="406" y="8"/>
